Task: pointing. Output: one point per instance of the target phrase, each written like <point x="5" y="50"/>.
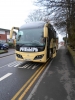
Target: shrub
<point x="11" y="45"/>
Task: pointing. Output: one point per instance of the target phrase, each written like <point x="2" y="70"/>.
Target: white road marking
<point x="29" y="67"/>
<point x="6" y="65"/>
<point x="38" y="82"/>
<point x="25" y="66"/>
<point x="5" y="76"/>
<point x="34" y="67"/>
<point x="15" y="64"/>
<point x="20" y="67"/>
<point x="11" y="63"/>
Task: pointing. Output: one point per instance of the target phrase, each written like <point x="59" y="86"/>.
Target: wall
<point x="3" y="36"/>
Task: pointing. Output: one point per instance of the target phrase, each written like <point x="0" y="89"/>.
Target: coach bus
<point x="35" y="41"/>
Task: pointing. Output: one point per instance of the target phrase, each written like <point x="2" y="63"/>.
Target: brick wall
<point x="3" y="37"/>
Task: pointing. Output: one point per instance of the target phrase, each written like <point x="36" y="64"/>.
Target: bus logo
<point x="29" y="49"/>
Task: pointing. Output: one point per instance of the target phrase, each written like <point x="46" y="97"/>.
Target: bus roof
<point x="33" y="25"/>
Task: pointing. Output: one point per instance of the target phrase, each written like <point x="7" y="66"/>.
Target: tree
<point x="64" y="15"/>
<point x="36" y="15"/>
<point x="60" y="13"/>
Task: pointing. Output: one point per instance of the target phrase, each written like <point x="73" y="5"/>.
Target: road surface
<point x="52" y="81"/>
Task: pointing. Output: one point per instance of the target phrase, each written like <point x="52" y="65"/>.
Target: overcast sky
<point x="14" y="12"/>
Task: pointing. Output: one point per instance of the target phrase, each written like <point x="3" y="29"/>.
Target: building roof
<point x="4" y="29"/>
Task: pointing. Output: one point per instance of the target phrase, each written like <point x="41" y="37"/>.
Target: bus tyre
<point x="56" y="51"/>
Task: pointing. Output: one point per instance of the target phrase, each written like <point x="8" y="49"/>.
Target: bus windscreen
<point x="31" y="37"/>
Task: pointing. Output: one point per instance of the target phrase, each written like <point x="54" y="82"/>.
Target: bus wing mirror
<point x="11" y="32"/>
<point x="45" y="32"/>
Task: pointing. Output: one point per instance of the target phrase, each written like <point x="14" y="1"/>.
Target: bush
<point x="11" y="45"/>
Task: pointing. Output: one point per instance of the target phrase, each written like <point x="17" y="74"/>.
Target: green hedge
<point x="11" y="45"/>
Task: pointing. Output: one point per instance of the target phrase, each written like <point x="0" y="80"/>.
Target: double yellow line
<point x="22" y="92"/>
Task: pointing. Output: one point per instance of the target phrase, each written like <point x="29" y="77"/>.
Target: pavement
<point x="58" y="82"/>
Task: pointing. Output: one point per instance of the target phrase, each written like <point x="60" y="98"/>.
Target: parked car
<point x="4" y="46"/>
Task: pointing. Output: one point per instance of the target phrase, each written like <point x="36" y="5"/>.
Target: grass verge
<point x="3" y="51"/>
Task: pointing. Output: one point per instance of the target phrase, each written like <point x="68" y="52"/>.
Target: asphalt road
<point x="13" y="75"/>
<point x="55" y="81"/>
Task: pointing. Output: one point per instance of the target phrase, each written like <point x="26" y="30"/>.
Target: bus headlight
<point x="19" y="56"/>
<point x="38" y="57"/>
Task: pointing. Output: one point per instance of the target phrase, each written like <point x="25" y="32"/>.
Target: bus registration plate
<point x="27" y="60"/>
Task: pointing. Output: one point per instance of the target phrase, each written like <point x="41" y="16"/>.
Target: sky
<point x="14" y="12"/>
<point x="60" y="37"/>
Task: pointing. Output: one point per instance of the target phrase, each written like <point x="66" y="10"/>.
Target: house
<point x="5" y="35"/>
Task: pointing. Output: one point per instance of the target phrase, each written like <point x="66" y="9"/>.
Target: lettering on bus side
<point x="28" y="49"/>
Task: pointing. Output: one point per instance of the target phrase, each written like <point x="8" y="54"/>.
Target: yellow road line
<point x="29" y="86"/>
<point x="17" y="94"/>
